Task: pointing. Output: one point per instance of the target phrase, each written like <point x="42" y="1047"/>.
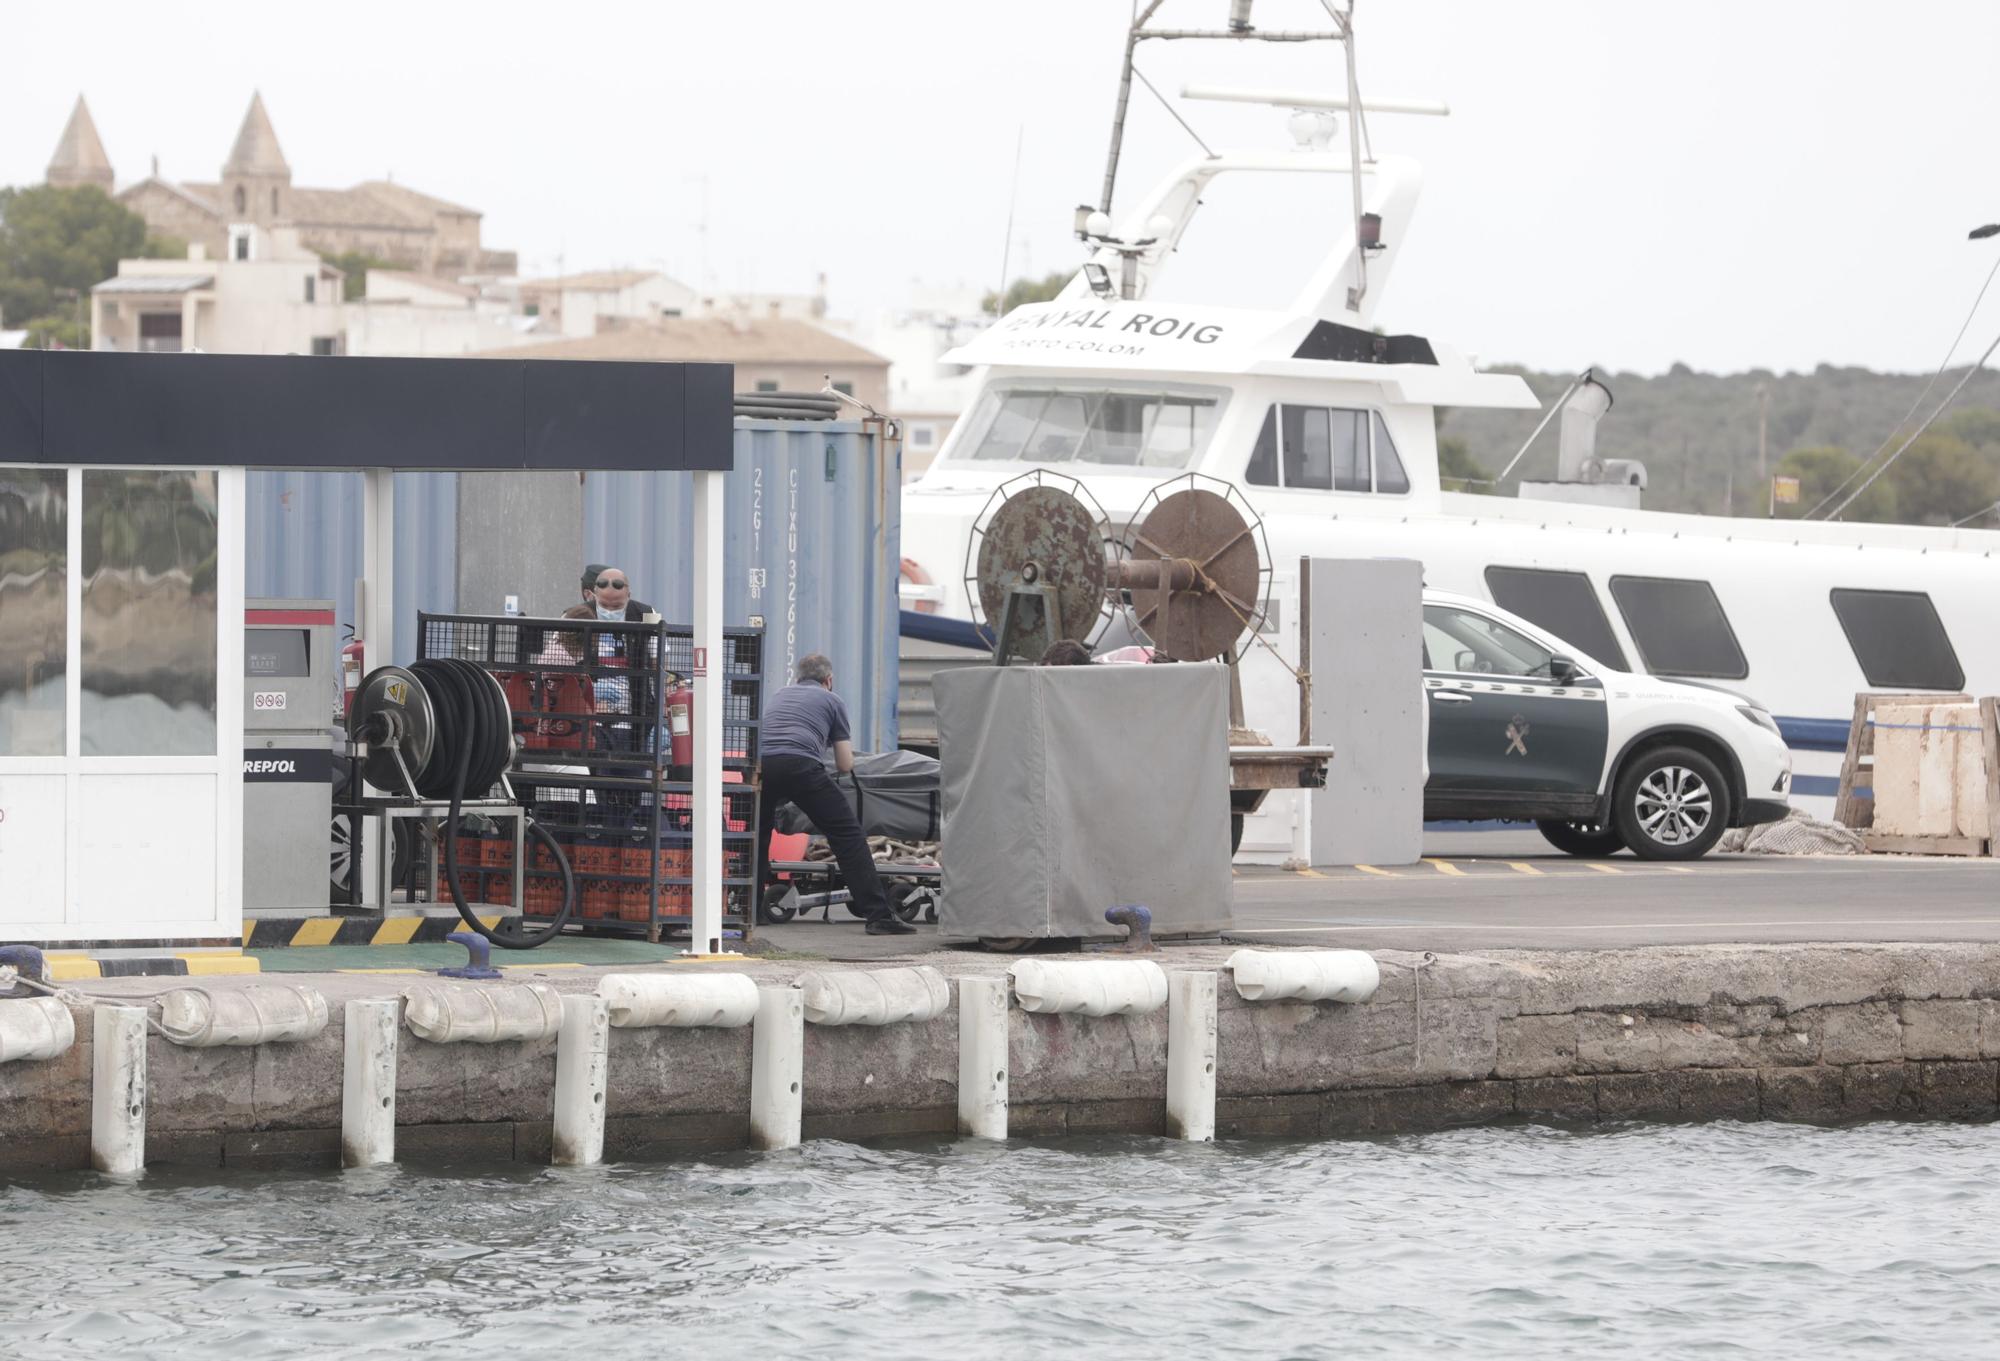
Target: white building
<point x="925" y="393"/>
<point x="417" y="316"/>
<point x="270" y="296"/>
<point x="574" y="305"/>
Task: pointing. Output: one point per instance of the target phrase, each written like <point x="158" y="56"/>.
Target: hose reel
<point x="436" y="731"/>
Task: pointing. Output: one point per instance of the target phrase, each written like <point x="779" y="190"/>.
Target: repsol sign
<point x="287" y="765"/>
<point x="1115" y="322"/>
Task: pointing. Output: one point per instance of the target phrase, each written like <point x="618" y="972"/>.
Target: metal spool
<point x="1198" y="572"/>
<point x="1040" y="532"/>
<point x="394" y="710"/>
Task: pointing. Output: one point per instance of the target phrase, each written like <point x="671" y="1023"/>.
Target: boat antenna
<point x="1007" y="246"/>
<point x="1976" y="234"/>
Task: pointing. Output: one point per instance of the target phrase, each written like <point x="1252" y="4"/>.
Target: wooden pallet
<point x="1854" y="805"/>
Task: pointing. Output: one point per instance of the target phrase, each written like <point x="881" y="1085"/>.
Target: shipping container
<point x="812" y="546"/>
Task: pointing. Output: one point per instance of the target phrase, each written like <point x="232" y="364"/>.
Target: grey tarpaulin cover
<point x="898" y="796"/>
<point x="1070" y="789"/>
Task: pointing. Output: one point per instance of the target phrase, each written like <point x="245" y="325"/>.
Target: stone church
<point x="413" y="231"/>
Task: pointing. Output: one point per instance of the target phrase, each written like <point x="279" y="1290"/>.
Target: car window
<point x="1460" y="641"/>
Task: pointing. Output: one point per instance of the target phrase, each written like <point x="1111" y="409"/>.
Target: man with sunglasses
<point x="620" y="702"/>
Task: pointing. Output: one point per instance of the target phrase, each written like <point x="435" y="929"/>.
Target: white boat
<point x="1328" y="429"/>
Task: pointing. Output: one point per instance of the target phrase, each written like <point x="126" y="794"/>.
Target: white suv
<point x="1524" y="726"/>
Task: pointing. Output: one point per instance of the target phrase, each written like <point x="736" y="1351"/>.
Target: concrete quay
<point x="1788" y="1032"/>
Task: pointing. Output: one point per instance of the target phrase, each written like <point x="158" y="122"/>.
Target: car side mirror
<point x="1562" y="669"/>
<point x="1466" y="660"/>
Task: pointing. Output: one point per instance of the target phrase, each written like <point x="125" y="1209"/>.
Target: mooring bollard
<point x="368" y="1083"/>
<point x="118" y="1089"/>
<point x="583" y="1050"/>
<point x="777" y="1068"/>
<point x="1191" y="1056"/>
<point x="982" y="1058"/>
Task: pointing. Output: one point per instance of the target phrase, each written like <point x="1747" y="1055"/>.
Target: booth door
<point x="120" y="704"/>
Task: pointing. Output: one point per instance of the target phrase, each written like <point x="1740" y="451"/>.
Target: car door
<point x="1502" y="725"/>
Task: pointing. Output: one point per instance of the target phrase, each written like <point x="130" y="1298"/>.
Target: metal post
<point x="1191" y="1056"/>
<point x="710" y="688"/>
<point x="368" y="1083"/>
<point x="582" y="1059"/>
<point x="377" y="624"/>
<point x="982" y="1058"/>
<point x="777" y="1068"/>
<point x="118" y="1089"/>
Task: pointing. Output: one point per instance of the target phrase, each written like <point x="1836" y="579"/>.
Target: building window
<point x="240" y="247"/>
<point x="242" y="200"/>
<point x="160" y="332"/>
<point x="1679" y="627"/>
<point x="1898" y="639"/>
<point x="311" y="287"/>
<point x="767" y="385"/>
<point x="324" y="345"/>
<point x="844" y="388"/>
<point x="922" y="436"/>
<point x="1564" y="603"/>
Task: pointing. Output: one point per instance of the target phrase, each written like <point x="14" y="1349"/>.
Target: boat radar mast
<point x="1313" y="124"/>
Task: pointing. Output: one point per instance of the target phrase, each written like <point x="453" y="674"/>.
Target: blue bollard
<point x="479" y="961"/>
<point x="1138" y="924"/>
<point x="28" y="962"/>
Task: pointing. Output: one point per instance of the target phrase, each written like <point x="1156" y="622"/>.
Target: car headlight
<point x="1761" y="719"/>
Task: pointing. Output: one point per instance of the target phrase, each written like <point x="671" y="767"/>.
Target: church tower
<point x="256" y="181"/>
<point x="80" y="157"/>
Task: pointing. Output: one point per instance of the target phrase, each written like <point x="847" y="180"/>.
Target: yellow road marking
<point x="318" y="931"/>
<point x="221" y="964"/>
<point x="1309" y="872"/>
<point x="1521" y="867"/>
<point x="1386" y="874"/>
<point x="381" y="971"/>
<point x="1443" y="866"/>
<point x="397" y="931"/>
<point x="1602" y="869"/>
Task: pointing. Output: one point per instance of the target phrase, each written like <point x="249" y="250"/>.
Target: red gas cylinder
<point x="680" y="724"/>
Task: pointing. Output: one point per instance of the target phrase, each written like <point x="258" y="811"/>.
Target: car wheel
<point x="1672" y="804"/>
<point x="1590" y="840"/>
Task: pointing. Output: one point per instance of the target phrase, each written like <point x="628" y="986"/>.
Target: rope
<point x="1417" y="980"/>
<point x="71" y="997"/>
<point x="1213" y="588"/>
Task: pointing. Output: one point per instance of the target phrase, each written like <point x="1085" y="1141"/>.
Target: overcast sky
<point x="1732" y="185"/>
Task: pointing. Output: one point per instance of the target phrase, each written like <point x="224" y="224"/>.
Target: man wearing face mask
<point x="619" y="701"/>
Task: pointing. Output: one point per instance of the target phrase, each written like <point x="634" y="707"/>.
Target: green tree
<point x="1820" y="469"/>
<point x="1024" y="291"/>
<point x="1458" y="470"/>
<point x="55" y="245"/>
<point x="355" y="264"/>
<point x="1942" y="478"/>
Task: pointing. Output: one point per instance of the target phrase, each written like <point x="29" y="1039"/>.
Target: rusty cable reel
<point x="1197" y="569"/>
<point x="1040" y="536"/>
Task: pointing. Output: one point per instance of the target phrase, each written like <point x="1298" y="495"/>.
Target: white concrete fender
<point x="679" y="999"/>
<point x="263" y="1013"/>
<point x="875" y="996"/>
<point x="482" y="1013"/>
<point x="1304" y="975"/>
<point x="1098" y="987"/>
<point x="35" y="1028"/>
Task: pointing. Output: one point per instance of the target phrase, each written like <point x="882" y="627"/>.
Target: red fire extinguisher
<point x="680" y="726"/>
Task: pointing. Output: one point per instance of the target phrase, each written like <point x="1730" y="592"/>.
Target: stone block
<point x="273" y="1150"/>
<point x="1295" y="1116"/>
<point x="1957" y="1089"/>
<point x="657" y="1138"/>
<point x="1117" y="1117"/>
<point x="459" y="1084"/>
<point x="534" y="1141"/>
<point x="1040" y="1120"/>
<point x="1989" y="1029"/>
<point x="891" y="1124"/>
<point x="1535" y="1046"/>
<point x="1556" y="1098"/>
<point x="1401" y="1110"/>
<point x="1941" y="1030"/>
<point x="666" y="1072"/>
<point x="200" y="1089"/>
<point x="1297" y="1047"/>
<point x="1718" y="1094"/>
<point x="855" y="1068"/>
<point x="1804" y="1094"/>
<point x="48" y="1099"/>
<point x="184" y="1149"/>
<point x="1084" y="1058"/>
<point x="1865" y="1032"/>
<point x="1876" y="1090"/>
<point x="487" y="1142"/>
<point x="45" y="1153"/>
<point x="1638" y="1096"/>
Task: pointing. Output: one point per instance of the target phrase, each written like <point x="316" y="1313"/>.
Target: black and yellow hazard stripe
<point x="273" y="933"/>
<point x="73" y="968"/>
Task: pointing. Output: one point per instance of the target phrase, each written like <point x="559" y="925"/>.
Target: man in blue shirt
<point x="801" y="722"/>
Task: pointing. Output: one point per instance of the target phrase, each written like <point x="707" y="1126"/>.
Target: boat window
<point x="1324" y="449"/>
<point x="1389" y="474"/>
<point x="1263" y="469"/>
<point x="1564" y="603"/>
<point x="1898" y="639"/>
<point x="1679" y="627"/>
<point x="1113" y="428"/>
<point x="1460" y="641"/>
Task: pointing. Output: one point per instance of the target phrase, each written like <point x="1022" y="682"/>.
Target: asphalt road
<point x="1506" y="890"/>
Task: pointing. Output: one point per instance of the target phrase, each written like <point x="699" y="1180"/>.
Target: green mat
<point x="558" y="953"/>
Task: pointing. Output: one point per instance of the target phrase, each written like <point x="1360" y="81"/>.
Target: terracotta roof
<point x="193" y="193"/>
<point x="412" y="201"/>
<point x="431" y="282"/>
<point x="256" y="151"/>
<point x="603" y="281"/>
<point x="80" y="150"/>
<point x="710" y="339"/>
<point x="349" y="208"/>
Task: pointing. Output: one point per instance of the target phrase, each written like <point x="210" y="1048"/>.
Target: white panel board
<point x="32" y="850"/>
<point x="146" y="848"/>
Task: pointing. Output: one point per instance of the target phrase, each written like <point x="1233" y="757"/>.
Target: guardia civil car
<point x="1524" y="726"/>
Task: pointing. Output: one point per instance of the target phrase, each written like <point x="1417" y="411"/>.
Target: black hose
<point x="474" y="743"/>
